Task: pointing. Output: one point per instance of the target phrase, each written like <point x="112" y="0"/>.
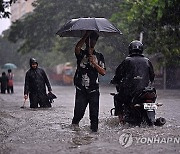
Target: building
<point x="20" y="8"/>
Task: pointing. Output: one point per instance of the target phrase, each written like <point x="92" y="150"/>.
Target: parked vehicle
<point x="62" y="74"/>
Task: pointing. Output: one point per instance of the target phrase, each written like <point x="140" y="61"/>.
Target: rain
<point x="25" y="130"/>
<point x="49" y="130"/>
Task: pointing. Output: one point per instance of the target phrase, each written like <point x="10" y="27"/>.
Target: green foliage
<point x="8" y="53"/>
<point x="4" y="8"/>
<point x="157" y="19"/>
<point x="37" y="31"/>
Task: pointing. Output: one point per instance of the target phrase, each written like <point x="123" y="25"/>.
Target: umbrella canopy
<point x="78" y="27"/>
<point x="9" y="66"/>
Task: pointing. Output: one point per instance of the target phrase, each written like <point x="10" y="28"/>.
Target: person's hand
<point x="92" y="59"/>
<point x="25" y="96"/>
<point x="50" y="91"/>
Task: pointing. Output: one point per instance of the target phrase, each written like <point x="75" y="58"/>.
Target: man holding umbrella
<point x="89" y="64"/>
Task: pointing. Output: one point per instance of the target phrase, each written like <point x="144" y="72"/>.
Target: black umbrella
<point x="78" y="27"/>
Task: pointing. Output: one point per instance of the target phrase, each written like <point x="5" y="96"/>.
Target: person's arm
<point x="99" y="68"/>
<point x="47" y="81"/>
<point x="119" y="73"/>
<point x="81" y="42"/>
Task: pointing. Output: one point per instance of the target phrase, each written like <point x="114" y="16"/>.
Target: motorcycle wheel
<point x="160" y="121"/>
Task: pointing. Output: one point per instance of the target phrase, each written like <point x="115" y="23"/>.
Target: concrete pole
<point x="164" y="77"/>
<point x="141" y="37"/>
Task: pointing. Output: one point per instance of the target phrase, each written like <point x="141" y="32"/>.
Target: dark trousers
<point x="118" y="104"/>
<point x="3" y="91"/>
<point x="83" y="97"/>
<point x="10" y="89"/>
<point x="121" y="100"/>
<point x="3" y="88"/>
<point x="39" y="98"/>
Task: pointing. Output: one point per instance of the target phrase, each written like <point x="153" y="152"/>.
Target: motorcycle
<point x="141" y="108"/>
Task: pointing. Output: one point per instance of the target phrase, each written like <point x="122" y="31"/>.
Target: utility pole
<point x="164" y="77"/>
<point x="141" y="37"/>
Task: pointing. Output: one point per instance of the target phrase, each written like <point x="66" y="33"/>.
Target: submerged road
<point x="48" y="131"/>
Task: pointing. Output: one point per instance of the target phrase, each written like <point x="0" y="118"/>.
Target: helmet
<point x="32" y="61"/>
<point x="136" y="47"/>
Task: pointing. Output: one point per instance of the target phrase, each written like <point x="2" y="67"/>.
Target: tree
<point x="158" y="20"/>
<point x="37" y="31"/>
<point x="4" y="8"/>
<point x="8" y="52"/>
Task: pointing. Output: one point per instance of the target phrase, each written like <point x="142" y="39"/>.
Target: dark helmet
<point x="136" y="47"/>
<point x="32" y="61"/>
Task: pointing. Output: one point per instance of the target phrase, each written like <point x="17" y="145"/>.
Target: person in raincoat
<point x="36" y="81"/>
<point x="132" y="75"/>
<point x="89" y="64"/>
<point x="4" y="82"/>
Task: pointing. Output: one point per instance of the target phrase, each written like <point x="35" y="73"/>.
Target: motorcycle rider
<point x="131" y="76"/>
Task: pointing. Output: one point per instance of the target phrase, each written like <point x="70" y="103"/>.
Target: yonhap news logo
<point x="127" y="139"/>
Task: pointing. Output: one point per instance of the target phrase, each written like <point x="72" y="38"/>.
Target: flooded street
<point x="48" y="131"/>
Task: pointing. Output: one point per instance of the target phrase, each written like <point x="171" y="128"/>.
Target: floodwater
<point x="48" y="131"/>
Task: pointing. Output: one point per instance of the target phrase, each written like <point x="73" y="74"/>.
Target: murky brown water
<point x="48" y="131"/>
